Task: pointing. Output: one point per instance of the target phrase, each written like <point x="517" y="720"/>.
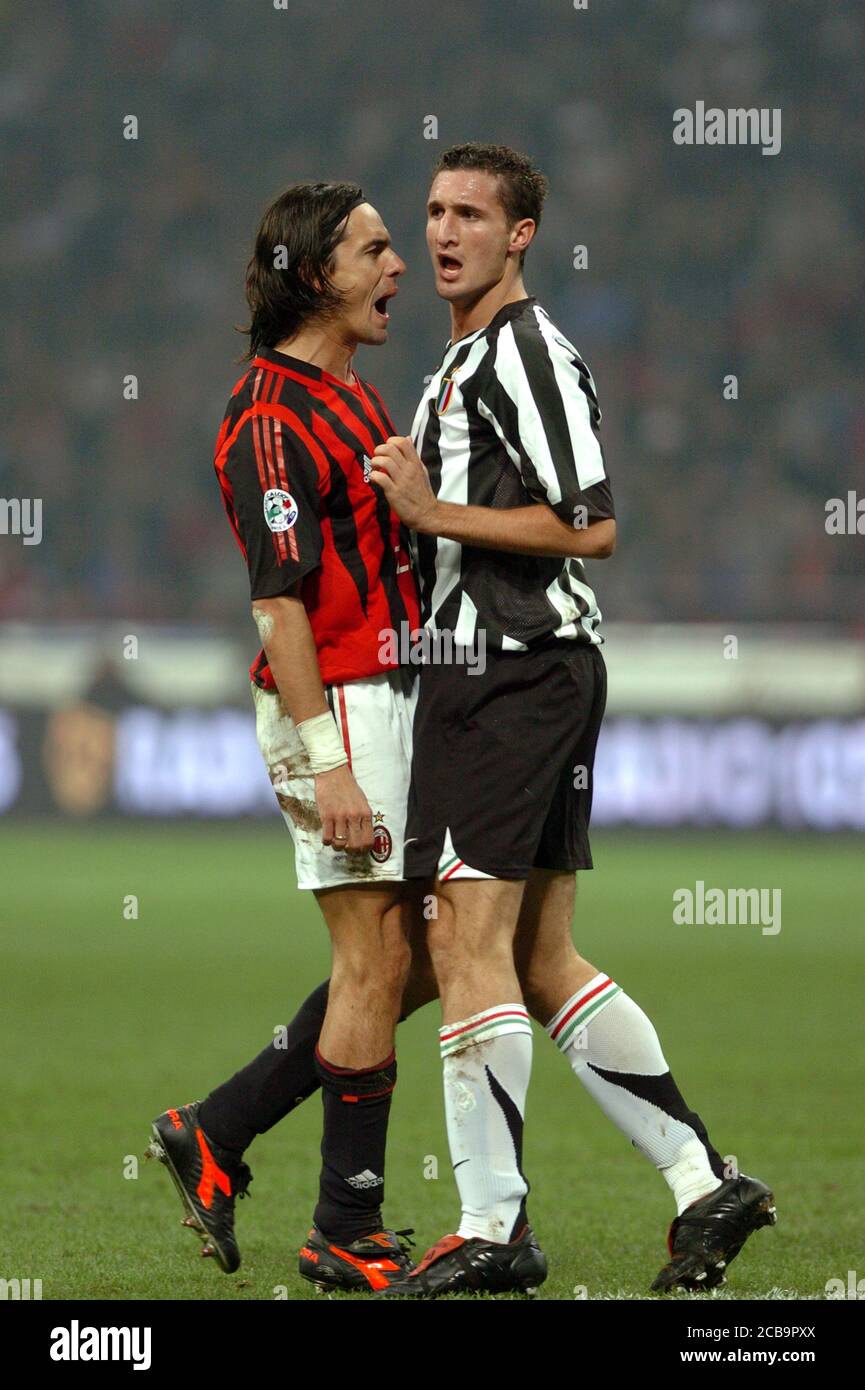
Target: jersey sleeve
<point x="540" y="398"/>
<point x="273" y="487"/>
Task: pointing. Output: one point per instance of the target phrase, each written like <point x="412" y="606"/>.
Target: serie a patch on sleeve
<point x="280" y="509"/>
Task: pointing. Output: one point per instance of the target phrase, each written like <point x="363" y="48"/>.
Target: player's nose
<point x="446" y="234"/>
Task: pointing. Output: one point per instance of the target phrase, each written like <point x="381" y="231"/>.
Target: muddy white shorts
<point x="374" y="717"/>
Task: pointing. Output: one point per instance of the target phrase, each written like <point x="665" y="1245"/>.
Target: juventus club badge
<point x="445" y="394"/>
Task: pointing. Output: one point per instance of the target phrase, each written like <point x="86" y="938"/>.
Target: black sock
<point x="271" y="1085"/>
<point x="356" y="1110"/>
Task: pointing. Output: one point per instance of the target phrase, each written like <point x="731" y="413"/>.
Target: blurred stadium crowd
<point x="124" y="257"/>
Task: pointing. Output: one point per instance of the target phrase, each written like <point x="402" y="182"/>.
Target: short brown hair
<point x="522" y="187"/>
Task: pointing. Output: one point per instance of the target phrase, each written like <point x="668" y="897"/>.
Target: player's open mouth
<point x="380" y="305"/>
<point x="449" y="266"/>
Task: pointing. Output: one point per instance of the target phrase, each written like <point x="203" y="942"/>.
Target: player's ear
<point x="522" y="233"/>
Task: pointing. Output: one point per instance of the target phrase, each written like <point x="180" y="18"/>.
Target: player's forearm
<point x="532" y="530"/>
<point x="286" y="636"/>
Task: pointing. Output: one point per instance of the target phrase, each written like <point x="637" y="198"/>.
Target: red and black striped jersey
<point x="293" y="461"/>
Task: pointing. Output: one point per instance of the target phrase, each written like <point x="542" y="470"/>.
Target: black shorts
<point x="503" y="762"/>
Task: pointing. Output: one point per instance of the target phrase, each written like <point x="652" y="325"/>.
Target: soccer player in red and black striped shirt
<point x="293" y="460"/>
<point x="330" y="578"/>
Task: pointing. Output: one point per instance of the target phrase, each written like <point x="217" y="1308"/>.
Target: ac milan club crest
<point x="382" y="843"/>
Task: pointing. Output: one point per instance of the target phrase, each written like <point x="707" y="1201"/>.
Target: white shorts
<point x="374" y="717"/>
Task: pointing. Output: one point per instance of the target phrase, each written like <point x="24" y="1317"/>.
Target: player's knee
<point x="375" y="969"/>
<point x="387" y="969"/>
<point x="420" y="989"/>
<point x="396" y="963"/>
<point x="443" y="944"/>
<point x="540" y="979"/>
<point x="461" y="956"/>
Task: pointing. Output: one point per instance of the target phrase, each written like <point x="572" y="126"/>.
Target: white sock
<point x="487" y="1061"/>
<point x="614" y="1050"/>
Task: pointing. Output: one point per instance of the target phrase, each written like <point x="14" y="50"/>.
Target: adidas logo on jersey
<point x="365" y="1179"/>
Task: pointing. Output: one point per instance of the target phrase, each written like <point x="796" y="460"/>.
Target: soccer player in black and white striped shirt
<point x="505" y="484"/>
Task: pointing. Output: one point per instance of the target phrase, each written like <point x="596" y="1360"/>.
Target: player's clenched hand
<point x="346" y="818"/>
<point x="405" y="482"/>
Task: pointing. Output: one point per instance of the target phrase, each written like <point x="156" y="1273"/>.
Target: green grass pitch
<point x="108" y="1021"/>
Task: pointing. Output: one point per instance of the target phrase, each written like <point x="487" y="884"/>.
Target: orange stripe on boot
<point x="370" y="1269"/>
<point x="211" y="1174"/>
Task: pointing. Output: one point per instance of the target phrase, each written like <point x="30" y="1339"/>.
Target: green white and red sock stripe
<point x="583" y="1006"/>
<point x="496" y="1022"/>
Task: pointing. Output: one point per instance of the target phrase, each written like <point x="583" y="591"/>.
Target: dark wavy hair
<point x="522" y="187"/>
<point x="305" y="224"/>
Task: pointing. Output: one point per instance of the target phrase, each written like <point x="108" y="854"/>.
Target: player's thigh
<point x="475" y="919"/>
<point x="368" y="926"/>
<point x="543" y="943"/>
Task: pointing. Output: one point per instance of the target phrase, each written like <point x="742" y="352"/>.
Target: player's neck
<point x="321" y="348"/>
<point x="477" y="313"/>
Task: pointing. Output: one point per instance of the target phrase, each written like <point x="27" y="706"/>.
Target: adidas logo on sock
<point x="365" y="1179"/>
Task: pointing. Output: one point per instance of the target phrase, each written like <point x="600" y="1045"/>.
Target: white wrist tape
<point x="320" y="738"/>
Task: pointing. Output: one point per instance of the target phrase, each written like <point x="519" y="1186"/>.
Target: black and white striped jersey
<point x="511" y="417"/>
